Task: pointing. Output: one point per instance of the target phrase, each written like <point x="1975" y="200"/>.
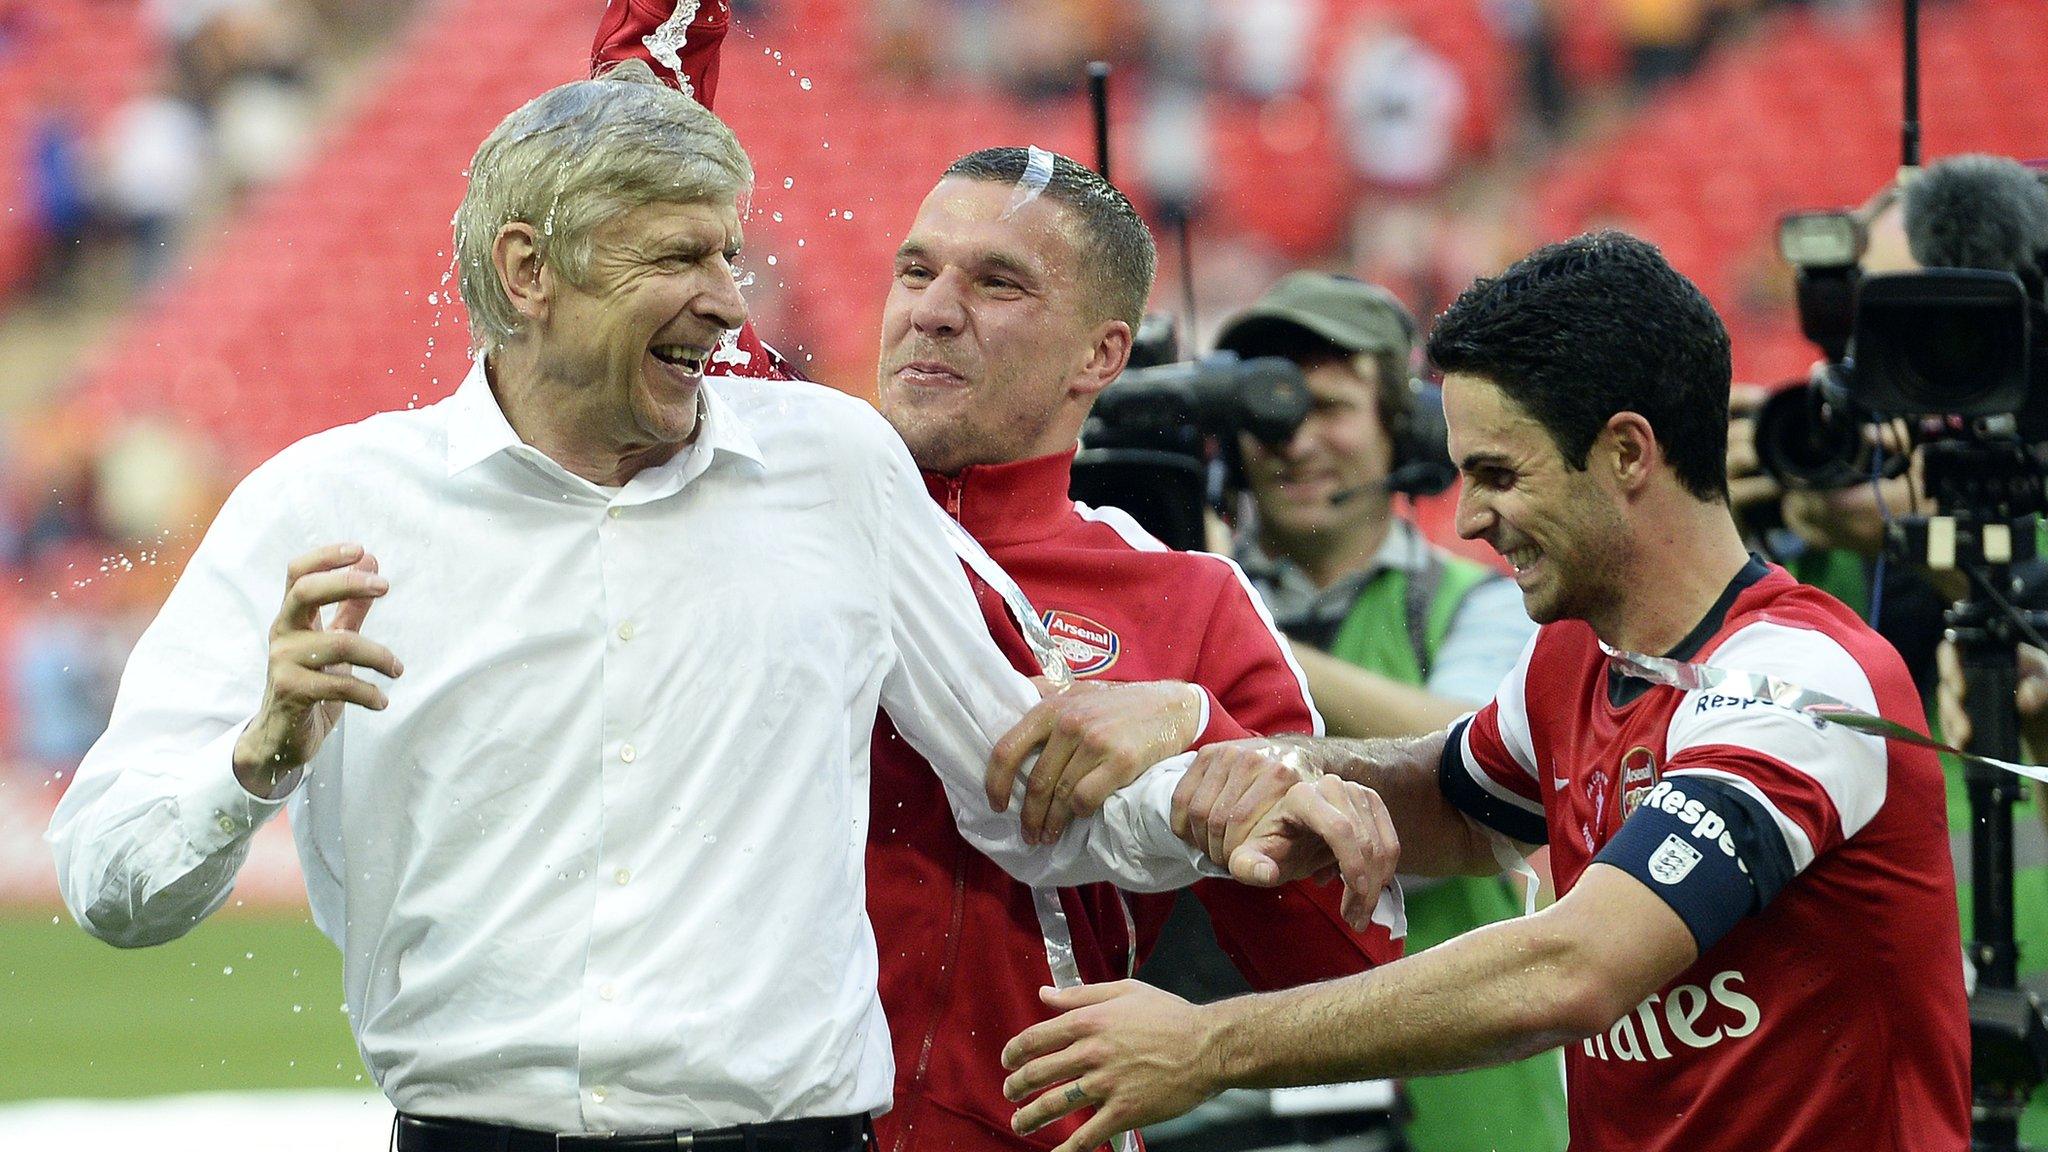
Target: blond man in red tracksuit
<point x="963" y="950"/>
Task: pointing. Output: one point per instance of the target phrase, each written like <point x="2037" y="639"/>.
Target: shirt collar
<point x="478" y="430"/>
<point x="1008" y="503"/>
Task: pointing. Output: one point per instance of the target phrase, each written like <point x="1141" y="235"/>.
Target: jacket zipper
<point x="945" y="998"/>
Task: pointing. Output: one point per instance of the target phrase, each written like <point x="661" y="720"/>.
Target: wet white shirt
<point x="599" y="864"/>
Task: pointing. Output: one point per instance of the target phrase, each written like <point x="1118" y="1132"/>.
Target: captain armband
<point x="1707" y="849"/>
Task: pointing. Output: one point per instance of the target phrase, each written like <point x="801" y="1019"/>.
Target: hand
<point x="1096" y="738"/>
<point x="1230" y="783"/>
<point x="1137" y="1054"/>
<point x="308" y="679"/>
<point x="1748" y="485"/>
<point x="2030" y="699"/>
<point x="1956" y="729"/>
<point x="1330" y="824"/>
<point x="1853" y="518"/>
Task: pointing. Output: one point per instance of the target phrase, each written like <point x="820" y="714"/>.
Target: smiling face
<point x="1563" y="529"/>
<point x="1325" y="479"/>
<point x="629" y="342"/>
<point x="992" y="344"/>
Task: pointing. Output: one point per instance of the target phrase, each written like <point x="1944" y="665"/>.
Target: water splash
<point x="729" y="350"/>
<point x="666" y="42"/>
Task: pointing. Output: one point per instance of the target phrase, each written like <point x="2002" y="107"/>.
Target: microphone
<point x="1423" y="479"/>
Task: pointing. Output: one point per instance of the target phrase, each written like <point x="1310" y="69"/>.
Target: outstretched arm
<point x="1139" y="1055"/>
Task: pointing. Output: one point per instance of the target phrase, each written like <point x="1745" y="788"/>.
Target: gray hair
<point x="574" y="157"/>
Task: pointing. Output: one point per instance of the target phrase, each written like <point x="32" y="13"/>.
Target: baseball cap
<point x="1348" y="312"/>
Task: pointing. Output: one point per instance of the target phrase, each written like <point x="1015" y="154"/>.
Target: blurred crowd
<point x="228" y="104"/>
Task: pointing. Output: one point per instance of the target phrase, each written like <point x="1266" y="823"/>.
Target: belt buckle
<point x="684" y="1140"/>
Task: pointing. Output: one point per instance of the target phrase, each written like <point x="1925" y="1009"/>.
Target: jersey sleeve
<point x="1255" y="687"/>
<point x="1706" y="849"/>
<point x="1489" y="769"/>
<point x="1817" y="784"/>
<point x="1291" y="935"/>
<point x="624" y="31"/>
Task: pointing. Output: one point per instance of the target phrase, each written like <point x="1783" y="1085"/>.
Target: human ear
<point x="1633" y="448"/>
<point x="1106" y="358"/>
<point x="515" y="257"/>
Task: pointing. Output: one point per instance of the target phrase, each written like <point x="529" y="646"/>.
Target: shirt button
<point x="626" y="753"/>
<point x="623" y="875"/>
<point x="615" y="512"/>
<point x="226" y="823"/>
<point x="598" y="1094"/>
<point x="626" y="630"/>
<point x="606" y="992"/>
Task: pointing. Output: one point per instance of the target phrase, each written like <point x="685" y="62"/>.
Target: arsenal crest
<point x="1638" y="776"/>
<point x="1089" y="648"/>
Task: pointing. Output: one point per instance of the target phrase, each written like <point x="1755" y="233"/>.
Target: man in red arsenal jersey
<point x="1754" y="945"/>
<point x="1016" y="291"/>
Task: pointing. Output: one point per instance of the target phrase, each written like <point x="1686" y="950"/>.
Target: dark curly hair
<point x="1577" y="331"/>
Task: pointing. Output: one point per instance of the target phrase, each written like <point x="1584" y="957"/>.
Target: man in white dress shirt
<point x="590" y="839"/>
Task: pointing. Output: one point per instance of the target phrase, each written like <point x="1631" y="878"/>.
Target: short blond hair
<point x="574" y="157"/>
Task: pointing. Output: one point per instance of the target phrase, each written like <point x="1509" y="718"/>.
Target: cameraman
<point x="1971" y="211"/>
<point x="1398" y="637"/>
<point x="1832" y="537"/>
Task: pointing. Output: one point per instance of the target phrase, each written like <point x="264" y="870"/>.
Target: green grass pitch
<point x="248" y="1000"/>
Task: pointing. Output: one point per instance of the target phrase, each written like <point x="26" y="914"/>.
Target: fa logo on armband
<point x="1638" y="776"/>
<point x="1089" y="648"/>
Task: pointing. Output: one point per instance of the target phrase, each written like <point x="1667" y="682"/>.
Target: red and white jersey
<point x="1834" y="1017"/>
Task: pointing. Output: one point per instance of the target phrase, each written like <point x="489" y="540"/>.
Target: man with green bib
<point x="1398" y="637"/>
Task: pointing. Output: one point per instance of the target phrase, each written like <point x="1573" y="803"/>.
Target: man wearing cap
<point x="1398" y="637"/>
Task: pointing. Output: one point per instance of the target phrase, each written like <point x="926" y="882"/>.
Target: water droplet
<point x="775" y="216"/>
<point x="846" y="215"/>
<point x="228" y="971"/>
<point x="804" y="83"/>
<point x="771" y="261"/>
<point x="789" y="181"/>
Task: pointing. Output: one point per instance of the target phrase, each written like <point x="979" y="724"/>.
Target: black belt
<point x="822" y="1134"/>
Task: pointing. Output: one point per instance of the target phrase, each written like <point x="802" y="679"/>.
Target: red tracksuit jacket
<point x="962" y="956"/>
<point x="961" y="953"/>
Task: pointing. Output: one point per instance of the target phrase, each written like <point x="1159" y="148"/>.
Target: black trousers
<point x="819" y="1134"/>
